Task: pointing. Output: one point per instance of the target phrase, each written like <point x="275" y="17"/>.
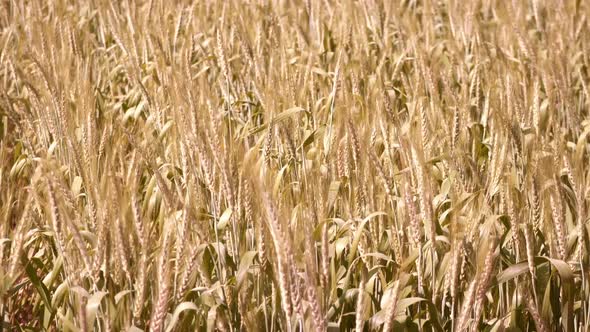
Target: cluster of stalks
<point x="294" y="165"/>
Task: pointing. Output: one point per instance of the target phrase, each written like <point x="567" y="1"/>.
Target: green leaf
<point x="279" y="179"/>
<point x="512" y="272"/>
<point x="179" y="309"/>
<point x="380" y="256"/>
<point x="340" y="244"/>
<point x="224" y="219"/>
<point x="517" y="269"/>
<point x="359" y="233"/>
<point x="563" y="268"/>
<point x="333" y="193"/>
<point x="567" y="305"/>
<point x="76" y="185"/>
<point x="39" y="286"/>
<point x="67" y="324"/>
<point x="92" y="308"/>
<point x="311" y="137"/>
<point x="245" y="264"/>
<point x="546" y="307"/>
<point x="404" y="303"/>
<point x="282" y="116"/>
<point x="211" y="318"/>
<point x="52" y="276"/>
<point x="122" y="294"/>
<point x="18" y="167"/>
<point x="58" y="294"/>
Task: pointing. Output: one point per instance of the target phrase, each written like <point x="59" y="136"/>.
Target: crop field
<point x="304" y="165"/>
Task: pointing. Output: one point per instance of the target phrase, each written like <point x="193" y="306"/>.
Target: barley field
<point x="319" y="165"/>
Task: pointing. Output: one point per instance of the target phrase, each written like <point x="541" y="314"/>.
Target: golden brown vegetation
<point x="294" y="165"/>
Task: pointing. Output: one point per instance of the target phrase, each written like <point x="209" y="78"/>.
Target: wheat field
<point x="317" y="165"/>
